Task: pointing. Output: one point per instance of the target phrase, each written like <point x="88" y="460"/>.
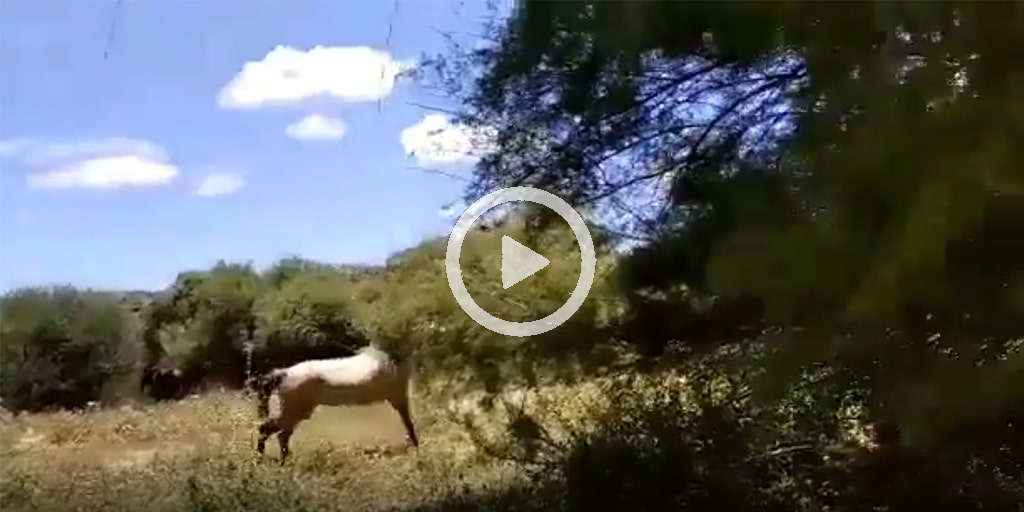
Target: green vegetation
<point x="822" y="310"/>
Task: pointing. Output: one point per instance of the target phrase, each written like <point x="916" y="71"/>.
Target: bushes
<point x="659" y="442"/>
<point x="61" y="346"/>
<point x="308" y="317"/>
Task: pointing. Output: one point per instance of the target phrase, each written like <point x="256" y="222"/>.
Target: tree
<point x="60" y="347"/>
<point x="849" y="167"/>
<point x="310" y="316"/>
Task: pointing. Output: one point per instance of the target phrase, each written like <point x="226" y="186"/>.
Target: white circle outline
<point x="588" y="261"/>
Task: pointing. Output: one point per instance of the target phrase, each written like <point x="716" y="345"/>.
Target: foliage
<point x="411" y="308"/>
<point x="809" y="169"/>
<point x="60" y="346"/>
<point x="308" y="316"/>
<point x="703" y="444"/>
<point x="832" y="187"/>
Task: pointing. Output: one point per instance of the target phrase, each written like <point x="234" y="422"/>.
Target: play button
<point x="518" y="262"/>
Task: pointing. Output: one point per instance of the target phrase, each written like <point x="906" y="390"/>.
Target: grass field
<point x="198" y="454"/>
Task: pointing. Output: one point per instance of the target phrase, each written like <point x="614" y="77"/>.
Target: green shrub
<point x="60" y="346"/>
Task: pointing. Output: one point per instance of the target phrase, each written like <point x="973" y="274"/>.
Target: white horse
<point x="369" y="376"/>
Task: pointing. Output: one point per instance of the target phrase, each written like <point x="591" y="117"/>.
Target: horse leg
<point x="267" y="429"/>
<point x="401" y="405"/>
<point x="283" y="437"/>
<point x="288" y="421"/>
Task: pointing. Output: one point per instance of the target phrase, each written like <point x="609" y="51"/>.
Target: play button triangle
<point x="518" y="262"/>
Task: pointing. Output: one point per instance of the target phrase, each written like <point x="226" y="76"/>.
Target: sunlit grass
<point x="198" y="454"/>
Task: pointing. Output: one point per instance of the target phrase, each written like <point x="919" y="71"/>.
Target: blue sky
<point x="217" y="129"/>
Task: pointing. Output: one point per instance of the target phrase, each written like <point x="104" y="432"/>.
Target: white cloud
<point x="220" y="184"/>
<point x="316" y="127"/>
<point x="436" y="141"/>
<point x="101" y="163"/>
<point x="106" y="172"/>
<point x="290" y="75"/>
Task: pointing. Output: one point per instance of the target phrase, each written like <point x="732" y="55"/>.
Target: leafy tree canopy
<point x="852" y="166"/>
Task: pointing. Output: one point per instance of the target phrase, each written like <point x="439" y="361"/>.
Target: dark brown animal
<point x="162" y="381"/>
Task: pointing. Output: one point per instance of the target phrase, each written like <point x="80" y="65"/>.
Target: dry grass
<point x="198" y="455"/>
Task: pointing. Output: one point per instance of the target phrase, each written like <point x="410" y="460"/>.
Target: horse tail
<point x="265" y="386"/>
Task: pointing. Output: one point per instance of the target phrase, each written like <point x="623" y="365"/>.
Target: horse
<point x="163" y="381"/>
<point x="369" y="376"/>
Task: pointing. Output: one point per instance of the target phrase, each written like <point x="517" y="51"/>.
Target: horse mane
<point x="398" y="357"/>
